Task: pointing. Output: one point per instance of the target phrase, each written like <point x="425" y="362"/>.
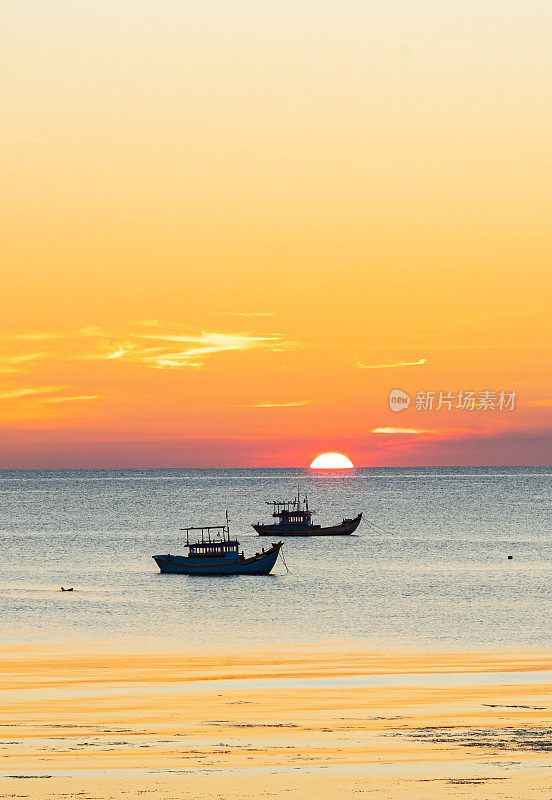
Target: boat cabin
<point x="213" y="542"/>
<point x="206" y="550"/>
<point x="292" y="512"/>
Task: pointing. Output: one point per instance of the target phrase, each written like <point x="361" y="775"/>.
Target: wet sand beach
<point x="302" y="722"/>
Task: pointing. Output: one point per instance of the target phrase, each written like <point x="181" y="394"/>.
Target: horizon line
<point x="305" y="468"/>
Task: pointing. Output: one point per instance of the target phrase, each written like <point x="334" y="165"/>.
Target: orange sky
<point x="230" y="229"/>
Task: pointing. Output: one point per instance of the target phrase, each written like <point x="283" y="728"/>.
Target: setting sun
<point x="332" y="461"/>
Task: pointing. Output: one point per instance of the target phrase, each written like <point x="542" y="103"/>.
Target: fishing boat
<point x="216" y="553"/>
<point x="295" y="519"/>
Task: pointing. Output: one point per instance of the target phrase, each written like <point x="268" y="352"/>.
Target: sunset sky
<point x="231" y="227"/>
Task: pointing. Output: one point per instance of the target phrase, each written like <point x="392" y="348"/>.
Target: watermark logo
<point x="448" y="401"/>
<point x="466" y="401"/>
<point x="398" y="400"/>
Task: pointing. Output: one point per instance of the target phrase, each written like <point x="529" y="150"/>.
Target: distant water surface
<point x="428" y="568"/>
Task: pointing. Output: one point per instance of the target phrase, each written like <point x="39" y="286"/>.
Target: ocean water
<point x="427" y="569"/>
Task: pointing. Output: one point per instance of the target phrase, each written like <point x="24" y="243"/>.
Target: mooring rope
<point x="378" y="528"/>
<point x="284" y="560"/>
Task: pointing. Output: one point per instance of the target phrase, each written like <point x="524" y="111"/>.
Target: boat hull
<point x="259" y="564"/>
<point x="345" y="528"/>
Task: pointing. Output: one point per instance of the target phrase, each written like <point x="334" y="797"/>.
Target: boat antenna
<point x="227" y="525"/>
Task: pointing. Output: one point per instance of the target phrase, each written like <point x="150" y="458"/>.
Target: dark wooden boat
<point x="295" y="519"/>
<point x="215" y="553"/>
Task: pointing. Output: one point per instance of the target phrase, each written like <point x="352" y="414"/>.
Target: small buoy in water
<point x="66" y="590"/>
<point x="510" y="558"/>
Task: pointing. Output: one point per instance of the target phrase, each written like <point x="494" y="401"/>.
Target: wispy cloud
<point x="248" y="313"/>
<point x="200" y="346"/>
<point x="118" y="353"/>
<point x="25" y="357"/>
<point x="409" y="431"/>
<point x="292" y="404"/>
<point x="14" y="394"/>
<point x="45" y="336"/>
<point x="71" y="398"/>
<point x="174" y="361"/>
<point x="215" y="341"/>
<point x="37" y="336"/>
<point x="45" y="394"/>
<point x="393" y="365"/>
<point x="111" y="353"/>
<point x="11" y="365"/>
<point x="90" y="330"/>
<point x="147" y="343"/>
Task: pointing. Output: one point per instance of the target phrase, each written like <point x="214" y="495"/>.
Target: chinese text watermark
<point x="448" y="401"/>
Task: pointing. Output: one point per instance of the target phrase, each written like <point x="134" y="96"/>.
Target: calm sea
<point x="428" y="568"/>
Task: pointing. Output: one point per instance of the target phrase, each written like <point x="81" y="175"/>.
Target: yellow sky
<point x="213" y="213"/>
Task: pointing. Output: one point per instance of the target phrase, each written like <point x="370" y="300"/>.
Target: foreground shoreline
<point x="304" y="722"/>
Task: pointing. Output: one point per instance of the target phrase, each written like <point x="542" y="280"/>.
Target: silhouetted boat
<point x="217" y="554"/>
<point x="295" y="519"/>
